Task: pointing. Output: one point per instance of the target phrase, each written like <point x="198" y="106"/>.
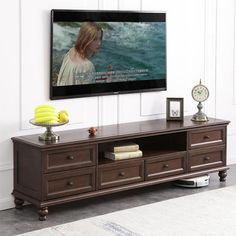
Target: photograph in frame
<point x="174" y="108"/>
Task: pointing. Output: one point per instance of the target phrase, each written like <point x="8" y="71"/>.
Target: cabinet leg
<point x="43" y="211"/>
<point x="222" y="174"/>
<point x="18" y="203"/>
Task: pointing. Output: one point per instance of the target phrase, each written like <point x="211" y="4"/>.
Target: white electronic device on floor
<point x="193" y="182"/>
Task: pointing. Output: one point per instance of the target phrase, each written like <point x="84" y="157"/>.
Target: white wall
<point x="200" y="44"/>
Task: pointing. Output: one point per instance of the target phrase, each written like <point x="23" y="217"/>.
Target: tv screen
<point x="106" y="52"/>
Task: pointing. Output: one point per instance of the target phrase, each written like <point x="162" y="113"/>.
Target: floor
<point x="14" y="221"/>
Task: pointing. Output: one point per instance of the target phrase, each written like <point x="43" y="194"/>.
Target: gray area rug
<point x="202" y="214"/>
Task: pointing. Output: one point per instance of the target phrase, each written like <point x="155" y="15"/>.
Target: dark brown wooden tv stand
<point x="74" y="168"/>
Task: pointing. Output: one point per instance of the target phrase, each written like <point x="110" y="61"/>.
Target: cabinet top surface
<point x="120" y="131"/>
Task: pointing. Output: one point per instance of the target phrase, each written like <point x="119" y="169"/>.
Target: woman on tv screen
<point x="76" y="67"/>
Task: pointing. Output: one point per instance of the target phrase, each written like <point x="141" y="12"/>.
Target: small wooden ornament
<point x="92" y="131"/>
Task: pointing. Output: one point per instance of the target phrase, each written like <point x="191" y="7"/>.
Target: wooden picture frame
<point x="175" y="109"/>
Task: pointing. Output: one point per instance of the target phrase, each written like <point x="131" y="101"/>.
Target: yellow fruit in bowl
<point x="45" y="114"/>
<point x="46" y="119"/>
<point x="64" y="111"/>
<point x="44" y="107"/>
<point x="63" y="116"/>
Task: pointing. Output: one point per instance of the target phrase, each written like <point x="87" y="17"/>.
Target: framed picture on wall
<point x="174" y="109"/>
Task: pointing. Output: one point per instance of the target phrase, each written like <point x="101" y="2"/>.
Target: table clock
<point x="200" y="93"/>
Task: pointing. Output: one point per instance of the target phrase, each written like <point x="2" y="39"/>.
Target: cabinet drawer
<point x="165" y="165"/>
<point x="69" y="183"/>
<point x="207" y="158"/>
<point x="120" y="173"/>
<point x="69" y="158"/>
<point x="206" y="137"/>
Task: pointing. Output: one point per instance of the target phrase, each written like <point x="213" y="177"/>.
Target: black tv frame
<point x="88" y="90"/>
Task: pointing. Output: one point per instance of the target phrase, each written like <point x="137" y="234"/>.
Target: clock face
<point x="200" y="93"/>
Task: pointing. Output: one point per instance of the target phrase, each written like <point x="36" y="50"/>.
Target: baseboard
<point x="6" y="203"/>
<point x="6" y="182"/>
<point x="231" y="160"/>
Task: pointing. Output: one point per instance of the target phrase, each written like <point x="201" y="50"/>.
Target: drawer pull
<point x="206" y="158"/>
<point x="206" y="137"/>
<point x="70" y="183"/>
<point x="165" y="166"/>
<point x="70" y="157"/>
<point x="121" y="174"/>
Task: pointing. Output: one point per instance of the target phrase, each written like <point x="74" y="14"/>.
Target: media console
<point x="74" y="168"/>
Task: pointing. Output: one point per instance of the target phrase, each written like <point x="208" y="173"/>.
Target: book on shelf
<point x="123" y="155"/>
<point x="124" y="147"/>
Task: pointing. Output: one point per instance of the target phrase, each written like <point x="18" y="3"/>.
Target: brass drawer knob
<point x="165" y="166"/>
<point x="121" y="174"/>
<point x="70" y="183"/>
<point x="206" y="158"/>
<point x="70" y="157"/>
<point x="206" y="137"/>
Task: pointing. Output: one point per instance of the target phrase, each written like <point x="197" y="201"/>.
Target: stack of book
<point x="124" y="151"/>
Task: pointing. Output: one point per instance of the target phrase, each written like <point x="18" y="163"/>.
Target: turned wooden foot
<point x="18" y="203"/>
<point x="222" y="174"/>
<point x="43" y="211"/>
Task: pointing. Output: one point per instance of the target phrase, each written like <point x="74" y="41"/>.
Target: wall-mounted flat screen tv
<point x="106" y="52"/>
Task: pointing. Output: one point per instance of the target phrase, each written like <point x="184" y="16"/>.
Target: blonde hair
<point x="88" y="32"/>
